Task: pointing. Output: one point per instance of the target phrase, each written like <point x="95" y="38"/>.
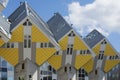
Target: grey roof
<point x="18" y="15"/>
<point x="23" y="11"/>
<point x="58" y="26"/>
<point x="93" y="38"/>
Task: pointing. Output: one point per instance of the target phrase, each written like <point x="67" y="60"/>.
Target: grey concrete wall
<point x="99" y="76"/>
<point x="29" y="69"/>
<point x="62" y="75"/>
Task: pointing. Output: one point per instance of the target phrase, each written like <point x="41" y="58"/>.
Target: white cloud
<point x="103" y="15"/>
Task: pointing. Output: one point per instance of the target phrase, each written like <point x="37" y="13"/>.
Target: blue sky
<point x="87" y="11"/>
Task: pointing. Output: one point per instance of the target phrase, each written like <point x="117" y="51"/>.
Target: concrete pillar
<point x="26" y="70"/>
<point x="97" y="74"/>
<point x="66" y="73"/>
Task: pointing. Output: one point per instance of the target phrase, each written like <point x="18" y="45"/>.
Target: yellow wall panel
<point x="96" y="49"/>
<point x="43" y="54"/>
<point x="89" y="66"/>
<point x="17" y="34"/>
<point x="11" y="55"/>
<point x="110" y="64"/>
<point x="38" y="36"/>
<point x="64" y="43"/>
<point x="78" y="44"/>
<point x="109" y="51"/>
<point x="81" y="60"/>
<point x="55" y="61"/>
<point x="1" y="42"/>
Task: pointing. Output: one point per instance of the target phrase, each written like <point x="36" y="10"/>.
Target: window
<point x="70" y="69"/>
<point x="50" y="68"/>
<point x="65" y="69"/>
<point x="50" y="44"/>
<point x="71" y="34"/>
<point x="4" y="64"/>
<point x="19" y="78"/>
<point x="101" y="56"/>
<point x="45" y="44"/>
<point x="27" y="41"/>
<point x="4" y="69"/>
<point x="96" y="72"/>
<point x="81" y="74"/>
<point x="110" y="57"/>
<point x="84" y="52"/>
<point x="104" y="42"/>
<point x="80" y="51"/>
<point x="70" y="50"/>
<point x="30" y="76"/>
<point x="23" y="66"/>
<point x="12" y="45"/>
<point x="57" y="53"/>
<point x="88" y="52"/>
<point x="41" y="45"/>
<point x="27" y="23"/>
<point x="8" y="45"/>
<point x="54" y="71"/>
<point x="113" y="57"/>
<point x="116" y="57"/>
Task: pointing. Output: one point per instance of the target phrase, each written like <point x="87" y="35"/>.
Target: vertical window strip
<point x="101" y="55"/>
<point x="70" y="50"/>
<point x="27" y="41"/>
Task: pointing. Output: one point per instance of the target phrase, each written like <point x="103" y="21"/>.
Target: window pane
<point x="4" y="64"/>
<point x="25" y="43"/>
<point x="29" y="43"/>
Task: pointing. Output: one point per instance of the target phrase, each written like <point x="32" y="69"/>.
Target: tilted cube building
<point x="53" y="50"/>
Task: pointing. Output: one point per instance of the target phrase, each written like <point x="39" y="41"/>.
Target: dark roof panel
<point x="58" y="26"/>
<point x="18" y="15"/>
<point x="93" y="38"/>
